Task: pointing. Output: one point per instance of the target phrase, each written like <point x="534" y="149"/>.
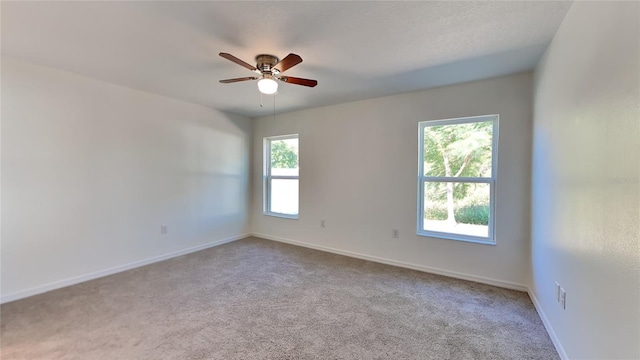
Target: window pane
<point x="458" y="149"/>
<point x="457" y="208"/>
<point x="284" y="196"/>
<point x="284" y="157"/>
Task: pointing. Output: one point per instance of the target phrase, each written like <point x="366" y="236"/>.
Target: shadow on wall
<point x="583" y="231"/>
<point x="214" y="177"/>
<point x="542" y="189"/>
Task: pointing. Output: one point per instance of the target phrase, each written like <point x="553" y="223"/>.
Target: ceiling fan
<point x="269" y="68"/>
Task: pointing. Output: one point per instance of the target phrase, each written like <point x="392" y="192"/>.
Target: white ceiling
<point x="356" y="50"/>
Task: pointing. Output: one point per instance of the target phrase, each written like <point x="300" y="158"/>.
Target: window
<point x="457" y="178"/>
<point x="281" y="176"/>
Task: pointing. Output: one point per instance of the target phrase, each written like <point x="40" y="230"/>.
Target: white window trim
<point x="267" y="177"/>
<point x="491" y="239"/>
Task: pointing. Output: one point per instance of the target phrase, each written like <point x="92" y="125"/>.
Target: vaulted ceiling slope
<point x="356" y="50"/>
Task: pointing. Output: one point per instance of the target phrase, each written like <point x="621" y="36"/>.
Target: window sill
<point x="279" y="215"/>
<point x="456" y="237"/>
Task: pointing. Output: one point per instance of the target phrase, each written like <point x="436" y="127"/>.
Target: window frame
<point x="422" y="179"/>
<point x="267" y="177"/>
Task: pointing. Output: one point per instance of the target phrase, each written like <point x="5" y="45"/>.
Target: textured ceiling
<point x="356" y="50"/>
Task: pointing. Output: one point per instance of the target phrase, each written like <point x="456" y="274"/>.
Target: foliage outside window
<point x="281" y="173"/>
<point x="457" y="176"/>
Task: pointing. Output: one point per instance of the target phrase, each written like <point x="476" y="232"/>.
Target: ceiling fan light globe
<point x="267" y="86"/>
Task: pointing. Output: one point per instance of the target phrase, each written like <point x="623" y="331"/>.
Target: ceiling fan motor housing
<point x="265" y="63"/>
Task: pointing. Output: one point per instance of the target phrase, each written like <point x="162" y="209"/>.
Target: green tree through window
<point x="281" y="176"/>
<point x="457" y="178"/>
<point x="283" y="156"/>
<point x="455" y="151"/>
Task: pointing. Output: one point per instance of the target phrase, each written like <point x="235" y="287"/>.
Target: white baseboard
<point x="110" y="271"/>
<point x="453" y="274"/>
<point x="547" y="325"/>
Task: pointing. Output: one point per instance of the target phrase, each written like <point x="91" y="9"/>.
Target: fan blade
<point x="237" y="61"/>
<point x="299" y="81"/>
<point x="228" y="81"/>
<point x="288" y="62"/>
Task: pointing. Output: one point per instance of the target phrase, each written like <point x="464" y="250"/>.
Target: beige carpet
<point x="257" y="299"/>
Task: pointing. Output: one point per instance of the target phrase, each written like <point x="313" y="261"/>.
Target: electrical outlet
<point x="322" y="223"/>
<point x="563" y="299"/>
<point x="557" y="292"/>
<point x="164" y="229"/>
<point x="395" y="233"/>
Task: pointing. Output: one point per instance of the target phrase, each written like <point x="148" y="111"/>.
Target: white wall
<point x="586" y="187"/>
<point x="358" y="171"/>
<point x="90" y="170"/>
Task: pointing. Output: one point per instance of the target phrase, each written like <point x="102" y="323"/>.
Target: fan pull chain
<point x="261" y="99"/>
<point x="274" y="106"/>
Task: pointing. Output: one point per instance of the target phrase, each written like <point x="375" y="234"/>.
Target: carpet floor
<point x="258" y="299"/>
